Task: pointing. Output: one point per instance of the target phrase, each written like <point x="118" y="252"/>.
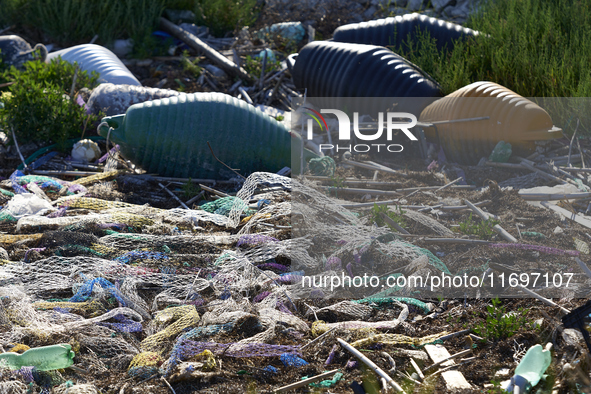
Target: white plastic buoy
<point x="93" y="57"/>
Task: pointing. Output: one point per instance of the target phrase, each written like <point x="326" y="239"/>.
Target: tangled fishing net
<point x="143" y="290"/>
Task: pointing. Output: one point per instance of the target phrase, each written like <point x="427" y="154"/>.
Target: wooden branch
<point x="484" y="216"/>
<point x="199" y="45"/>
<point x="449" y="184"/>
<point x="392" y="223"/>
<point x="305" y="382"/>
<point x="371" y="365"/>
<point x="542" y="173"/>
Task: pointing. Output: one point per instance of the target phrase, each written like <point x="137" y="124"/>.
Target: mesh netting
<point x="128" y="278"/>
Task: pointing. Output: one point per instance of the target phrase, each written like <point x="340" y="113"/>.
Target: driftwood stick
<point x="449" y="184"/>
<point x="200" y="45"/>
<point x="371" y="365"/>
<point x="305" y="382"/>
<point x="484" y="216"/>
<point x="171" y="194"/>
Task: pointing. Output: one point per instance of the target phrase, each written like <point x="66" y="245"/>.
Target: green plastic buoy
<point x="169" y="137"/>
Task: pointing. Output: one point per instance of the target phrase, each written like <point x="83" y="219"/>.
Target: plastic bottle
<point x="530" y="369"/>
<point x="45" y="358"/>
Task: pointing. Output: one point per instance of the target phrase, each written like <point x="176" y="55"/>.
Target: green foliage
<point x="500" y="324"/>
<point x="497" y="388"/>
<point x="338" y="181"/>
<point x="483" y="229"/>
<point x="190" y="66"/>
<point x="375" y="215"/>
<point x="223" y="16"/>
<point x="190" y="189"/>
<point x="69" y="22"/>
<point x="38" y="106"/>
<point x="254" y="65"/>
<point x="536" y="48"/>
<point x="181" y="4"/>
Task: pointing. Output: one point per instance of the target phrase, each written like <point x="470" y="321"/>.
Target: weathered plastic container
<point x="169" y="137"/>
<point x="512" y="118"/>
<point x="114" y="99"/>
<point x="14" y="51"/>
<point x="336" y="70"/>
<point x="45" y="358"/>
<point x="396" y="30"/>
<point x="93" y="57"/>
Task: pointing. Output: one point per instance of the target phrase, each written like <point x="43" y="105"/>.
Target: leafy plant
<point x="375" y="215"/>
<point x="190" y="190"/>
<point x="190" y="66"/>
<point x="482" y="229"/>
<point x="223" y="16"/>
<point x="254" y="65"/>
<point x="338" y="181"/>
<point x="497" y="388"/>
<point x="38" y="106"/>
<point x="499" y="324"/>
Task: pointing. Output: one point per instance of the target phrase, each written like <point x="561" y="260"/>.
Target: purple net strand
<point x="331" y="355"/>
<point x="261" y="296"/>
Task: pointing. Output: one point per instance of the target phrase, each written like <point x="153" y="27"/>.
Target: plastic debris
<point x="27" y="204"/>
<point x="323" y="166"/>
<point x="501" y="153"/>
<point x="93" y="57"/>
<point x="291" y="360"/>
<point x="44" y="358"/>
<point x="85" y="151"/>
<point x="292" y="31"/>
<point x="530" y="369"/>
<point x="114" y="99"/>
<point x="262" y="144"/>
<point x="511" y="118"/>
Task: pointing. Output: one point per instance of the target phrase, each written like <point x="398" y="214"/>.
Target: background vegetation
<point x="71" y="22"/>
<point x="537" y="48"/>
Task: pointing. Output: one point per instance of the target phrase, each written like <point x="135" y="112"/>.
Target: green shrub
<point x="38" y="106"/>
<point x="254" y="65"/>
<point x="223" y="16"/>
<point x="536" y="48"/>
<point x="499" y="324"/>
<point x="483" y="229"/>
<point x="70" y="22"/>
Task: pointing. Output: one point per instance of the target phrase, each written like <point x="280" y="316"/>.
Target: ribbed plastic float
<point x="338" y="70"/>
<point x="169" y="137"/>
<point x="394" y="31"/>
<point x="93" y="57"/>
<point x="512" y="118"/>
